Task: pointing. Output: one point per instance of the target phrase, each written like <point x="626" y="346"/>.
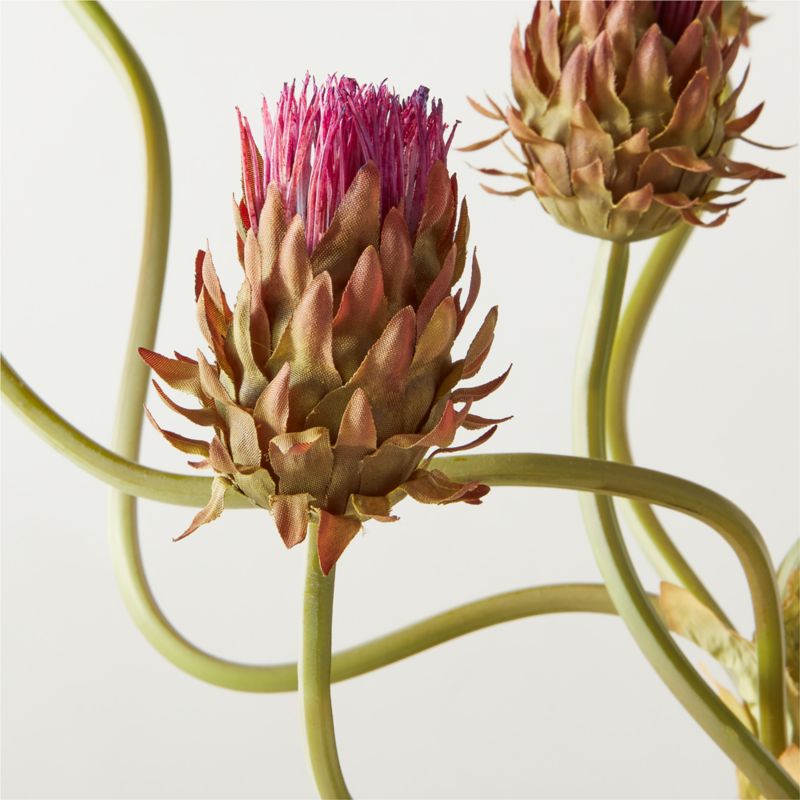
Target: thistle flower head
<point x="318" y="138"/>
<point x="623" y="113"/>
<point x="331" y="381"/>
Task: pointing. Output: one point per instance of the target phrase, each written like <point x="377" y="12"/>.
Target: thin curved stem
<point x="504" y="469"/>
<point x="468" y="618"/>
<point x="126" y="440"/>
<point x="645" y="525"/>
<point x="314" y="674"/>
<point x="123" y="524"/>
<point x="93" y="18"/>
<point x="120" y="473"/>
<point x="627" y="593"/>
<point x="123" y="529"/>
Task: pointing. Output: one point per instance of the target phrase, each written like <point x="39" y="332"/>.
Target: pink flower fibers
<point x="314" y="146"/>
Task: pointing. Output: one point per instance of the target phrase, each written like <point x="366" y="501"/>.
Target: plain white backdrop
<point x="551" y="707"/>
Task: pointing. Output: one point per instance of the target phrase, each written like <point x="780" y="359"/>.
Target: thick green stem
<point x="496" y="469"/>
<point x="645" y="525"/>
<point x="123" y="531"/>
<point x="626" y="591"/>
<point x="314" y="674"/>
<point x="120" y="472"/>
<point x="152" y="265"/>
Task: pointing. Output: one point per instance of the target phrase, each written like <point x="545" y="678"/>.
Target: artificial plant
<point x="331" y="378"/>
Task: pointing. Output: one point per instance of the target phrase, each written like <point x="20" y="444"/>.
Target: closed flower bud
<point x="331" y="381"/>
<point x="623" y="112"/>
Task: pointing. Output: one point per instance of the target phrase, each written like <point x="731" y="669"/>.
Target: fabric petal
<point x="290" y="512"/>
<point x="334" y="534"/>
<point x="212" y="510"/>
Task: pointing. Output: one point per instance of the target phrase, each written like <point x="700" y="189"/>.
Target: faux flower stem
<point x="314" y="674"/>
<point x="127" y="435"/>
<point x="135" y="375"/>
<point x="627" y="593"/>
<point x="186" y="490"/>
<point x="123" y="528"/>
<point x="125" y="551"/>
<point x="645" y="525"/>
<point x="120" y="473"/>
<point x="496" y="469"/>
<point x="501" y="469"/>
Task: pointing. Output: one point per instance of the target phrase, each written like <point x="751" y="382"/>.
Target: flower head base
<point x="332" y="378"/>
<point x="624" y="112"/>
<point x="320" y="137"/>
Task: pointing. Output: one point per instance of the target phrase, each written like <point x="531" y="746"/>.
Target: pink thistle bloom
<point x="333" y="380"/>
<point x="318" y="138"/>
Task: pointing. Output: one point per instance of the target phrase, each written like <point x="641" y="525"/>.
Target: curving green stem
<point x="650" y="533"/>
<point x="121" y="473"/>
<point x="123" y="529"/>
<point x="123" y="533"/>
<point x="627" y="593"/>
<point x="314" y="674"/>
<point x="152" y="266"/>
<point x="123" y="524"/>
<point x="496" y="469"/>
<point x="468" y="618"/>
<point x="503" y="469"/>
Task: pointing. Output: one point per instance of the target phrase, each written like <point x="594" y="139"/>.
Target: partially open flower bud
<point x="623" y="113"/>
<point x="332" y="378"/>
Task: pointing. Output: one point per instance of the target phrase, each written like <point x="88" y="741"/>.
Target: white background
<point x="549" y="707"/>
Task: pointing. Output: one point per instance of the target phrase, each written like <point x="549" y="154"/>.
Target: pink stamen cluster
<point x="316" y="142"/>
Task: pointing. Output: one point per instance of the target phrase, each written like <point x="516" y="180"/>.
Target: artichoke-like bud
<point x="623" y="112"/>
<point x="332" y="377"/>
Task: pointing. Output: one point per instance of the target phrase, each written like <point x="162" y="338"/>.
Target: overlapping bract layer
<point x="623" y="112"/>
<point x="333" y="377"/>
